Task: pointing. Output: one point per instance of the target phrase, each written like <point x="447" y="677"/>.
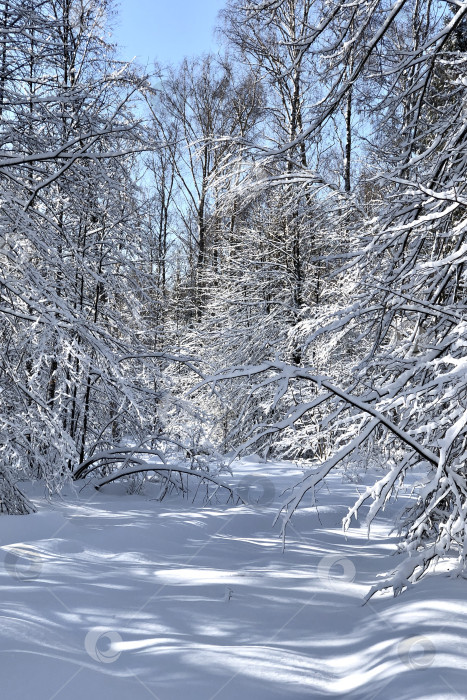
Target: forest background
<point x="258" y="249"/>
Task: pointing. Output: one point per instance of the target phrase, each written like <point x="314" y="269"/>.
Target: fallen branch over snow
<point x="170" y="469"/>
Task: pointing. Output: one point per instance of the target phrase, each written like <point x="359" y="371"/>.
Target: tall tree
<point x="404" y="274"/>
<point x="201" y="106"/>
<point x="74" y="371"/>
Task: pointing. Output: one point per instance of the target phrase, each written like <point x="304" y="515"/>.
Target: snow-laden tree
<point x="197" y="108"/>
<point x="396" y="375"/>
<point x="78" y="370"/>
<point x="279" y="197"/>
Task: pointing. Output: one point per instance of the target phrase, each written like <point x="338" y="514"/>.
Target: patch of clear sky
<point x="165" y="30"/>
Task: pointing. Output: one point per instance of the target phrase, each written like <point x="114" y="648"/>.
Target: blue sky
<point x="166" y="30"/>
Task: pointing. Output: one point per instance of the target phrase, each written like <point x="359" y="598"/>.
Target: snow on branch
<point x="282" y="371"/>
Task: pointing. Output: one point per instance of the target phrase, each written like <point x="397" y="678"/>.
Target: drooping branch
<point x="291" y="372"/>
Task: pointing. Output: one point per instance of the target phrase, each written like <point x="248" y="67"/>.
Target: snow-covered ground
<point x="110" y="595"/>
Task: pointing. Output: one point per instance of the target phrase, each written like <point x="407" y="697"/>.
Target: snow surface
<point x="110" y="595"/>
